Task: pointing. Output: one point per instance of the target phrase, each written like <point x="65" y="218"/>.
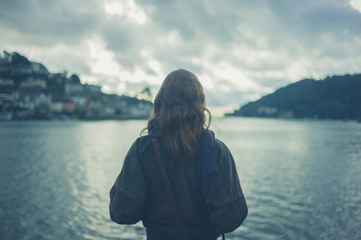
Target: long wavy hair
<point x="179" y="112"/>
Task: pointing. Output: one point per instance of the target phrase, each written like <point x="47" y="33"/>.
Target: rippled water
<point x="301" y="179"/>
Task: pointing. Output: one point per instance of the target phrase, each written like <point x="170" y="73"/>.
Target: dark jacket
<point x="139" y="193"/>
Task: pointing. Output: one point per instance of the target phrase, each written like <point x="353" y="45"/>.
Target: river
<point x="301" y="178"/>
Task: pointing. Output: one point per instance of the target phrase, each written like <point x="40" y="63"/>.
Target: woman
<point x="198" y="194"/>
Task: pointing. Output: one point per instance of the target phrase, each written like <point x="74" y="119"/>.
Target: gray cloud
<point x="51" y="21"/>
<point x="267" y="43"/>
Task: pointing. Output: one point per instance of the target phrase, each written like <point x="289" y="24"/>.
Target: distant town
<point x="29" y="91"/>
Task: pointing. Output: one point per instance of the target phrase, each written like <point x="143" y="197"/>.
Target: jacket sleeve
<point x="227" y="209"/>
<point x="128" y="194"/>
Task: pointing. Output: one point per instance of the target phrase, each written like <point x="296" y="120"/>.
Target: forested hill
<point x="336" y="97"/>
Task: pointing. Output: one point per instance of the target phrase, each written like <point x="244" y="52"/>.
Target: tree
<point x="74" y="79"/>
<point x="18" y="60"/>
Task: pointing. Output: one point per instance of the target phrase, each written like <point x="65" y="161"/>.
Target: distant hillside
<point x="336" y="97"/>
<point x="29" y="91"/>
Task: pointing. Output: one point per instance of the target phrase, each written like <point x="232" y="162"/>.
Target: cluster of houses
<point x="29" y="91"/>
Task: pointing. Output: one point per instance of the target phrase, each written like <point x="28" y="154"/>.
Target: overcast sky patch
<point x="239" y="49"/>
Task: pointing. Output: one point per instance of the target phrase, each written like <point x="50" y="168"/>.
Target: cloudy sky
<point x="239" y="49"/>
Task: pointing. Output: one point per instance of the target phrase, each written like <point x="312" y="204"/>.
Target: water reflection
<point x="298" y="177"/>
<point x="301" y="178"/>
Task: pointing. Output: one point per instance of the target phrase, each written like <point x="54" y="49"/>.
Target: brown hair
<point x="179" y="112"/>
